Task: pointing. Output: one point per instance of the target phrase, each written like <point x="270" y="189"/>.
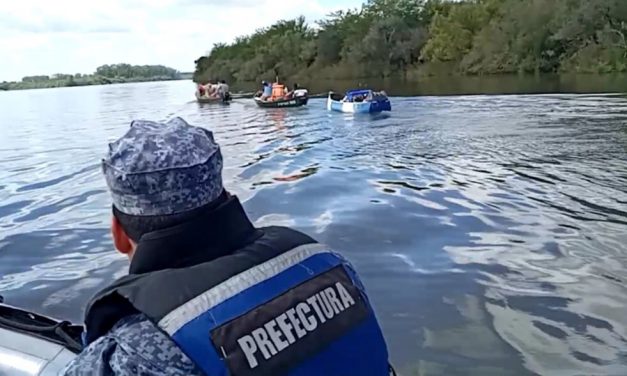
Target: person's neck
<point x="215" y="233"/>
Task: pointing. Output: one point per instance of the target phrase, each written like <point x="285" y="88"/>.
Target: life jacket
<point x="279" y="305"/>
<point x="278" y="91"/>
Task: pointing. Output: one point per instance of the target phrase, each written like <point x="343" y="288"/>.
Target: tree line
<point x="105" y="74"/>
<point x="429" y="37"/>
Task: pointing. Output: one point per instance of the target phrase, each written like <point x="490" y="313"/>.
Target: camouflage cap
<point x="163" y="168"/>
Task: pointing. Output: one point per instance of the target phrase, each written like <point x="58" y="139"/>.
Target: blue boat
<point x="359" y="101"/>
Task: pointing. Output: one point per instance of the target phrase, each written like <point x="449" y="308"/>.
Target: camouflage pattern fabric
<point x="163" y="168"/>
<point x="135" y="346"/>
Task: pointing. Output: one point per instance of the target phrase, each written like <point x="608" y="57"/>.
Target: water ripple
<point x="490" y="231"/>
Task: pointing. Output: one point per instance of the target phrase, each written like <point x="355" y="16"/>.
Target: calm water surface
<point x="491" y="231"/>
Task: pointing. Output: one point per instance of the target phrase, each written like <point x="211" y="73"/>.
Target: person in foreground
<point x="208" y="293"/>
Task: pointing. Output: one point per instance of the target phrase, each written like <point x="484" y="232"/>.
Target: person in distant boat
<point x="278" y="91"/>
<point x="290" y="94"/>
<point x="259" y="92"/>
<point x="206" y="89"/>
<point x="266" y="91"/>
<point x="210" y="90"/>
<point x="299" y="92"/>
<point x="208" y="293"/>
<point x="223" y="90"/>
<point x="201" y="90"/>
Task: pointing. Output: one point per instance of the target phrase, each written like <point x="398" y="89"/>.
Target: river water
<point x="490" y="231"/>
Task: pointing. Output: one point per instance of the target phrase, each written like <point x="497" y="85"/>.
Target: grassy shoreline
<point x="110" y="82"/>
<point x="104" y="75"/>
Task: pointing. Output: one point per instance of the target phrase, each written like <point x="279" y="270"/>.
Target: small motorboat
<point x="32" y="344"/>
<point x="281" y="98"/>
<point x="295" y="101"/>
<point x="359" y="101"/>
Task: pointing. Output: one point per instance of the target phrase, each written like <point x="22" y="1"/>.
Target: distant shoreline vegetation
<point x="419" y="38"/>
<point x="104" y="75"/>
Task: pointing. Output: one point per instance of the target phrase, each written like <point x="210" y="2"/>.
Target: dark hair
<point x="295" y="86"/>
<point x="223" y="81"/>
<point x="136" y="226"/>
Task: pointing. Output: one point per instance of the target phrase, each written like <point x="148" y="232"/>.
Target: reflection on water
<point x="464" y="85"/>
<point x="489" y="230"/>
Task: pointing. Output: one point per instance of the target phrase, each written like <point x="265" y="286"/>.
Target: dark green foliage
<point x="282" y="49"/>
<point x="453" y="31"/>
<point x="553" y="35"/>
<point x="392" y="37"/>
<point x="329" y="45"/>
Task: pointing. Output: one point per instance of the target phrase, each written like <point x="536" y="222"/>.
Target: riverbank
<point x="465" y="85"/>
<point x="8" y="86"/>
<point x="104" y="75"/>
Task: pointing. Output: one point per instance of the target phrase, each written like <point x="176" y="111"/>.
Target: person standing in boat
<point x="207" y="292"/>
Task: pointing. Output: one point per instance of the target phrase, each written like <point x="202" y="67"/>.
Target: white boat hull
<point x="379" y="104"/>
<point x="348" y="107"/>
<point x="25" y="355"/>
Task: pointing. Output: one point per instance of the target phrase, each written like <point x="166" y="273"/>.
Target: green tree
<point x="329" y="46"/>
<point x="452" y="32"/>
<point x="33" y="79"/>
<point x="389" y="37"/>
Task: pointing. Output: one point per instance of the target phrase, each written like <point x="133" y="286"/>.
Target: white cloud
<point x="68" y="36"/>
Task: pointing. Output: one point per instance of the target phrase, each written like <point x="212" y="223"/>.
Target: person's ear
<point x="121" y="241"/>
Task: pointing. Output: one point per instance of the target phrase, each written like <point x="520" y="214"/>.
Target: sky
<point x="73" y="36"/>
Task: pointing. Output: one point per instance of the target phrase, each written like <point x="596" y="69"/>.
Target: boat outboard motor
<point x="226" y="98"/>
<point x="301" y="93"/>
<point x="32" y="344"/>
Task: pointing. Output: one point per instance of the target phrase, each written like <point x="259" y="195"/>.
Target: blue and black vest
<point x="242" y="301"/>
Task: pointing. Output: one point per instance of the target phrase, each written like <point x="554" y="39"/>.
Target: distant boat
<point x="203" y="98"/>
<point x="359" y="101"/>
<point x="300" y="97"/>
<point x="213" y="100"/>
<point x="282" y="103"/>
